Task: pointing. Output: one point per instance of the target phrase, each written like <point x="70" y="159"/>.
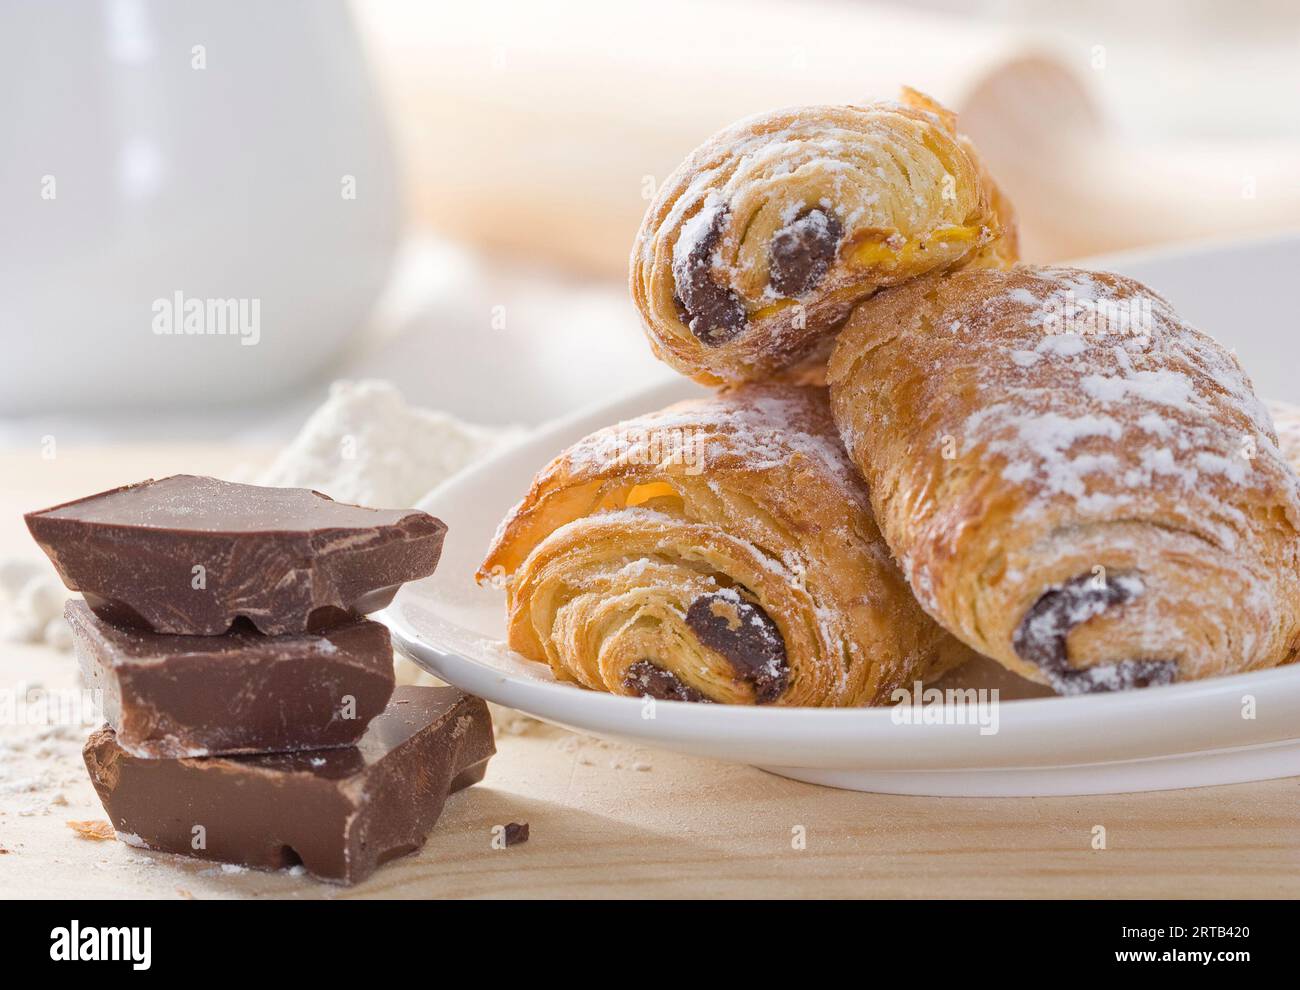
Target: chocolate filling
<point x="714" y="314"/>
<point x="746" y="636"/>
<point x="802" y="252"/>
<point x="1041" y="637"/>
<point x="643" y="678"/>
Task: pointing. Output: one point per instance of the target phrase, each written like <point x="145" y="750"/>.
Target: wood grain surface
<point x="612" y="820"/>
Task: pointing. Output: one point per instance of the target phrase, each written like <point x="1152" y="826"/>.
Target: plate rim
<point x="417" y="646"/>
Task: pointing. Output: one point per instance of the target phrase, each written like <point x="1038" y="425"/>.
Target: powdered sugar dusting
<point x="765" y="513"/>
<point x="1097" y="415"/>
<point x="697" y="228"/>
<point x="763" y="431"/>
<point x="1130" y="450"/>
<point x="1170" y="388"/>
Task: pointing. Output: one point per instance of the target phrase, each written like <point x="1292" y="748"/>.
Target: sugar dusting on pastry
<point x="760" y="433"/>
<point x="761" y="579"/>
<point x="1117" y="378"/>
<point x="1021" y="427"/>
<point x="757" y="247"/>
<point x="1042" y="635"/>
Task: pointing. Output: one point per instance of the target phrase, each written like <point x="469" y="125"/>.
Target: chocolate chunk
<point x="1041" y="637"/>
<point x="190" y="555"/>
<point x="715" y="314"/>
<point x="802" y="252"/>
<point x="516" y="833"/>
<point x="173" y="696"/>
<point x="746" y="636"/>
<point x="339" y="813"/>
<point x="645" y="678"/>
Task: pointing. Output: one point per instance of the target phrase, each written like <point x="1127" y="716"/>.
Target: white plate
<point x="1182" y="735"/>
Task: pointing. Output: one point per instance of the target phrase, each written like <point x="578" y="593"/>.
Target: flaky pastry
<point x="1075" y="482"/>
<point x="758" y="246"/>
<point x="720" y="550"/>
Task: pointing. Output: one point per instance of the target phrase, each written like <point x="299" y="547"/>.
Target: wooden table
<point x="613" y="820"/>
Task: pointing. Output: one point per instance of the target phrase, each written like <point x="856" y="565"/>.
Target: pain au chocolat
<point x="759" y="245"/>
<point x="721" y="550"/>
<point x="1075" y="482"/>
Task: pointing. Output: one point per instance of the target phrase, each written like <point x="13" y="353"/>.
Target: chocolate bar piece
<point x="190" y="555"/>
<point x="172" y="696"/>
<point x="340" y="813"/>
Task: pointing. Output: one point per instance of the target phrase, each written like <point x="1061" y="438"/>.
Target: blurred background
<point x="444" y="195"/>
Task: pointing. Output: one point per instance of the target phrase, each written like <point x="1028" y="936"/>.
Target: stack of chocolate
<point x="252" y="712"/>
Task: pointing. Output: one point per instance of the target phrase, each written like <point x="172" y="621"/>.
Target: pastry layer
<point x="720" y="550"/>
<point x="1074" y="481"/>
<point x="759" y="245"/>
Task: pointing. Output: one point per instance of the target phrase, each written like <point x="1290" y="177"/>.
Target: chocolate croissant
<point x="1075" y="482"/>
<point x="758" y="246"/>
<point x="721" y="550"/>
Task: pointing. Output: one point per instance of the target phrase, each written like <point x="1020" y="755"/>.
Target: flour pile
<point x="367" y="446"/>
